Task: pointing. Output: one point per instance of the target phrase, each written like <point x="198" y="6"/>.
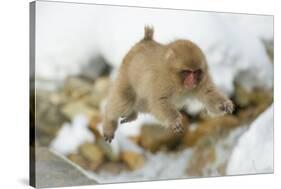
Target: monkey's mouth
<point x="192" y="78"/>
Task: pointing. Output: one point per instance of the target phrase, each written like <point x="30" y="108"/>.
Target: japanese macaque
<point x="157" y="78"/>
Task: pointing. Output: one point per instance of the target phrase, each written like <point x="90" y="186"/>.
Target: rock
<point x="54" y="171"/>
<point x="78" y="107"/>
<point x="135" y="139"/>
<point x="269" y="46"/>
<point x="101" y="86"/>
<point x="107" y="149"/>
<point x="242" y="96"/>
<point x="93" y="154"/>
<point x="93" y="100"/>
<point x="99" y="92"/>
<point x="93" y="126"/>
<point x="154" y="137"/>
<point x="75" y="87"/>
<point x="201" y="158"/>
<point x="78" y="159"/>
<point x="214" y="127"/>
<point x="57" y="98"/>
<point x="49" y="118"/>
<point x="113" y="167"/>
<point x="247" y="115"/>
<point x="251" y="103"/>
<point x="93" y="166"/>
<point x="256" y="97"/>
<point x="96" y="67"/>
<point x="132" y="159"/>
<point x="211" y="153"/>
<point x="212" y="142"/>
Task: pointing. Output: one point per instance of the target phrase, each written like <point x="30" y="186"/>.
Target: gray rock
<point x="49" y="118"/>
<point x="54" y="171"/>
<point x="97" y="66"/>
<point x="269" y="47"/>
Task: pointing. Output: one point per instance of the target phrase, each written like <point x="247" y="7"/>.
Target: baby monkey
<point x="157" y="78"/>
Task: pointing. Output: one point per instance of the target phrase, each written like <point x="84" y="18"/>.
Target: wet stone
<point x="54" y="171"/>
<point x="132" y="159"/>
<point x="93" y="154"/>
<point x="97" y="66"/>
<point x="49" y="118"/>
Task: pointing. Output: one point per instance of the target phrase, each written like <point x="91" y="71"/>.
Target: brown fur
<point x="149" y="81"/>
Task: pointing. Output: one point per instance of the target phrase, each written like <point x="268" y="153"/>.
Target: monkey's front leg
<point x="214" y="101"/>
<point x="167" y="113"/>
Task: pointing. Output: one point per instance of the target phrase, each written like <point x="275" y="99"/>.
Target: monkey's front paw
<point x="226" y="106"/>
<point x="177" y="126"/>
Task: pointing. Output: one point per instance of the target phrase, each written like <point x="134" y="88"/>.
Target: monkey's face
<point x="188" y="64"/>
<point x="191" y="78"/>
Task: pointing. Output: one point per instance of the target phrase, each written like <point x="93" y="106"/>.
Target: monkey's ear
<point x="169" y="54"/>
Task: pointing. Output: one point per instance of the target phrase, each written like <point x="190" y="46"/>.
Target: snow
<point x="72" y="135"/>
<point x="126" y="144"/>
<point x="159" y="166"/>
<point x="68" y="35"/>
<point x="173" y="165"/>
<point x="121" y="141"/>
<point x="254" y="151"/>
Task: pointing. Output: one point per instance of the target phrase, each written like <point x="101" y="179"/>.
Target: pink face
<point x="191" y="78"/>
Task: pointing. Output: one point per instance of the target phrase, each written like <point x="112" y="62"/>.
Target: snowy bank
<point x="254" y="151"/>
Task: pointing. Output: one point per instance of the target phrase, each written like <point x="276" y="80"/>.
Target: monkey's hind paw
<point x="227" y="106"/>
<point x="108" y="138"/>
<point x="129" y="118"/>
<point x="125" y="120"/>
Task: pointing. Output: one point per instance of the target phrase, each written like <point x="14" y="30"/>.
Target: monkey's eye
<point x="185" y="73"/>
<point x="198" y="72"/>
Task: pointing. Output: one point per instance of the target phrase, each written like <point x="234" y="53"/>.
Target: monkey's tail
<point x="148" y="33"/>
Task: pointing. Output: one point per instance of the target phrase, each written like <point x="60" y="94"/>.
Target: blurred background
<point x="79" y="48"/>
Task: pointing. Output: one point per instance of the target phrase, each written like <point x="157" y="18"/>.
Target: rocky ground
<point x="206" y="143"/>
<point x="202" y="134"/>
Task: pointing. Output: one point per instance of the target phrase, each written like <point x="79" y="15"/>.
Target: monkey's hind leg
<point x="109" y="127"/>
<point x="131" y="117"/>
<point x="120" y="104"/>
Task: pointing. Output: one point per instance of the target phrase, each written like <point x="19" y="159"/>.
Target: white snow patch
<point x="127" y="145"/>
<point x="133" y="128"/>
<point x="121" y="141"/>
<point x="72" y="135"/>
<point x="159" y="166"/>
<point x="254" y="151"/>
